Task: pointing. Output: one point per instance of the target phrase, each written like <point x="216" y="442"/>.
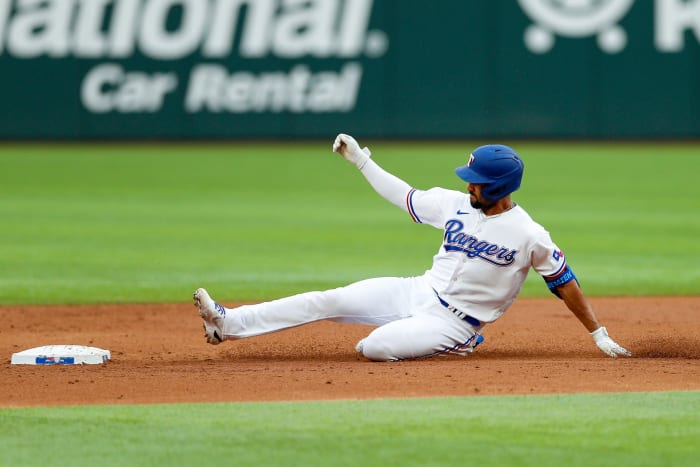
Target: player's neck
<point x="499" y="207"/>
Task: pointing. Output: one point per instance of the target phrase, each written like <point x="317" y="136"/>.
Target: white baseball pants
<point x="412" y="322"/>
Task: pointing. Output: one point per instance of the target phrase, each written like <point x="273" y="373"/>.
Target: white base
<point x="61" y="355"/>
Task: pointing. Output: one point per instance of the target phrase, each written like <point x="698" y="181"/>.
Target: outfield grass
<point x="648" y="429"/>
<point x="143" y="223"/>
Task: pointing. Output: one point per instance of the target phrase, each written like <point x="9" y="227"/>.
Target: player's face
<point x="476" y="199"/>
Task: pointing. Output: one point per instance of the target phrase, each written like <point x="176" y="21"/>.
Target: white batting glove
<point x="346" y="146"/>
<point x="607" y="345"/>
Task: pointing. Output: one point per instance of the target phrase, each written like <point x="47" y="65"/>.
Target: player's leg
<point x="427" y="333"/>
<point x="373" y="301"/>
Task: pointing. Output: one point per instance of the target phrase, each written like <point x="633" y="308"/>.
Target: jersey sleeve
<point x="429" y="206"/>
<point x="389" y="186"/>
<point x="547" y="258"/>
<point x="550" y="262"/>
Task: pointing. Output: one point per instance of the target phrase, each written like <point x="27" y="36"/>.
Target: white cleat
<point x="213" y="315"/>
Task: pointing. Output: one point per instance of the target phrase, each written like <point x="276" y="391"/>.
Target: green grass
<point x="150" y="222"/>
<point x="646" y="429"/>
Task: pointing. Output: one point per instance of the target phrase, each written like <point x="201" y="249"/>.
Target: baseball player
<point x="488" y="245"/>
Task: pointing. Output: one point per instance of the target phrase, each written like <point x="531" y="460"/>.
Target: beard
<point x="476" y="204"/>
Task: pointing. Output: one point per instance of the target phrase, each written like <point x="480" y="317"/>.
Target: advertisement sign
<point x="381" y="68"/>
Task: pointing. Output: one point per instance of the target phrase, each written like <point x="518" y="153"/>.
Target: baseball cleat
<point x="213" y="315"/>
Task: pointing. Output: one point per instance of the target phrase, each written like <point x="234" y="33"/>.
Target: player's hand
<point x="346" y="146"/>
<point x="607" y="345"/>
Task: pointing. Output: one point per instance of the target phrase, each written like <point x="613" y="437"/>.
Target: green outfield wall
<point x="74" y="69"/>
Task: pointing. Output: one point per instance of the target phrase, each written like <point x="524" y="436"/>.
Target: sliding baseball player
<point x="488" y="245"/>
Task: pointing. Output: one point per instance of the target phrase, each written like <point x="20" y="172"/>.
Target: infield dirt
<point x="159" y="355"/>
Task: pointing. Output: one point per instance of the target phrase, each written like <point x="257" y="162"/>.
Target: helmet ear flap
<point x="494" y="191"/>
<point x="503" y="186"/>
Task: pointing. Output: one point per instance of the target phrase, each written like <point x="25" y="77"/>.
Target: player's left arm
<point x="572" y="295"/>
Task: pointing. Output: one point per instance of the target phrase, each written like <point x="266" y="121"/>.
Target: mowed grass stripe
<point x="593" y="429"/>
<point x="151" y="222"/>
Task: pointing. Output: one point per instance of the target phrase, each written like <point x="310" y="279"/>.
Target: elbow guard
<point x="557" y="280"/>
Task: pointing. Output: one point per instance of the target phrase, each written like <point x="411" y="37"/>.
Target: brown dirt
<point x="160" y="356"/>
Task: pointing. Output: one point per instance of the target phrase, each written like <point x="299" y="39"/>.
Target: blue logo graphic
<point x="473" y="247"/>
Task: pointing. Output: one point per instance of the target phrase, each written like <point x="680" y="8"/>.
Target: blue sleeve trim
<point x="409" y="205"/>
<point x="560" y="279"/>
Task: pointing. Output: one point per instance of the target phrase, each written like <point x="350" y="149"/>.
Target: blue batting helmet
<point x="497" y="167"/>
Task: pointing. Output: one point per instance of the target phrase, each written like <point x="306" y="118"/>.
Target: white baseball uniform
<point x="476" y="274"/>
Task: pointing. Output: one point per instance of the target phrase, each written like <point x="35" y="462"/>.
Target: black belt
<point x="469" y="319"/>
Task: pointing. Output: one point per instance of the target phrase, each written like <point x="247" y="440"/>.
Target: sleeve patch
<point x="557" y="255"/>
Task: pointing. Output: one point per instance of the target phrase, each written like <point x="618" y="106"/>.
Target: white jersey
<point x="483" y="261"/>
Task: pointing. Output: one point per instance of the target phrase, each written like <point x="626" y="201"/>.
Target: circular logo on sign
<point x="575" y="18"/>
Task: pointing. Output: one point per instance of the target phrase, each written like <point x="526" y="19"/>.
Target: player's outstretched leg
<point x="213" y="315"/>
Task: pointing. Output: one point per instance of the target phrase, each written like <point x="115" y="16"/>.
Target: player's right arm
<point x="389" y="186"/>
<point x="424" y="206"/>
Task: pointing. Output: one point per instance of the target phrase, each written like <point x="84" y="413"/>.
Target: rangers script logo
<point x="456" y="240"/>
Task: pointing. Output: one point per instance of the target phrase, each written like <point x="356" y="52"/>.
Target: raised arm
<point x="390" y="187"/>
